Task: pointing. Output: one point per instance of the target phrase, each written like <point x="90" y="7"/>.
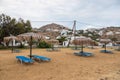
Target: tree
<point x="61" y="39"/>
<point x="28" y="26"/>
<point x="10" y="25"/>
<point x="5" y="26"/>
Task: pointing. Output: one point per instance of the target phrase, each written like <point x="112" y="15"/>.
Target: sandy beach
<point x="63" y="66"/>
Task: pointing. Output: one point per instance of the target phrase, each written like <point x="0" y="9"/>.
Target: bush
<point x="3" y="47"/>
<point x="21" y="46"/>
<point x="43" y="44"/>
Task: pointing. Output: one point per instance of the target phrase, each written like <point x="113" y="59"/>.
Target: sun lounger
<point x="106" y="51"/>
<point x="24" y="59"/>
<point x="16" y="51"/>
<point x="83" y="54"/>
<point x="53" y="49"/>
<point x="76" y="48"/>
<point x="49" y="49"/>
<point x="40" y="58"/>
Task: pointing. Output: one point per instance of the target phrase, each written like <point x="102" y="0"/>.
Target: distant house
<point x="64" y="33"/>
<point x="110" y="33"/>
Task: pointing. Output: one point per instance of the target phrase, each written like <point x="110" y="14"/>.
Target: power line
<point x="66" y="21"/>
<point x="52" y="21"/>
<point x="89" y="24"/>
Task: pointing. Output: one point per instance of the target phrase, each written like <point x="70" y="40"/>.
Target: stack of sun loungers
<point x="86" y="54"/>
<point x="16" y="51"/>
<point x="24" y="59"/>
<point x="53" y="49"/>
<point x="106" y="51"/>
<point x="76" y="48"/>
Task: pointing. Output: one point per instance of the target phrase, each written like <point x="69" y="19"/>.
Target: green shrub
<point x="21" y="46"/>
<point x="3" y="47"/>
<point x="43" y="44"/>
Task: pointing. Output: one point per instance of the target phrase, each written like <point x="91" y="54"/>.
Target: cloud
<point x="97" y="12"/>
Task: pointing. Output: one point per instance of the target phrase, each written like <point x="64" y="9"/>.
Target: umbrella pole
<point x="12" y="46"/>
<point x="119" y="47"/>
<point x="105" y="47"/>
<point x="92" y="45"/>
<point x="82" y="47"/>
<point x="75" y="47"/>
<point x="30" y="47"/>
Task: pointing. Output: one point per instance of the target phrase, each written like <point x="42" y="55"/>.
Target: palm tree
<point x="62" y="39"/>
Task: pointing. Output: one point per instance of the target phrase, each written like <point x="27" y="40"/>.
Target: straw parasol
<point x="10" y="38"/>
<point x="30" y="37"/>
<point x="105" y="41"/>
<point x="53" y="42"/>
<point x="26" y="36"/>
<point x="118" y="42"/>
<point x="82" y="41"/>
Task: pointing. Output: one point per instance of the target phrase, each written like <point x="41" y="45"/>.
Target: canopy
<point x="9" y="38"/>
<point x="53" y="41"/>
<point x="30" y="37"/>
<point x="105" y="40"/>
<point x="82" y="40"/>
<point x="26" y="36"/>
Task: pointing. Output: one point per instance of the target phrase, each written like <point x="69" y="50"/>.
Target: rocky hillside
<point x="111" y="32"/>
<point x="51" y="30"/>
<point x="108" y="32"/>
<point x="53" y="27"/>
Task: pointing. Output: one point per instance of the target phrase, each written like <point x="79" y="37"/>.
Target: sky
<point x="87" y="13"/>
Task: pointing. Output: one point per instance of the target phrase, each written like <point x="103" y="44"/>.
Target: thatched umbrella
<point x="92" y="44"/>
<point x="30" y="37"/>
<point x="10" y="38"/>
<point x="118" y="42"/>
<point x="26" y="36"/>
<point x="105" y="41"/>
<point x="53" y="42"/>
<point x="82" y="41"/>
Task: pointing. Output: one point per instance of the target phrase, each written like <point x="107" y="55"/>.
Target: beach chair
<point x="76" y="48"/>
<point x="24" y="59"/>
<point x="85" y="54"/>
<point x="52" y="49"/>
<point x="16" y="51"/>
<point x="40" y="58"/>
<point x="49" y="49"/>
<point x="106" y="51"/>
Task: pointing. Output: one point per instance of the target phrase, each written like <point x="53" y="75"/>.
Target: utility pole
<point x="74" y="32"/>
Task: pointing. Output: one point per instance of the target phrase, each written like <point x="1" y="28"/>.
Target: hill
<point x="53" y="27"/>
<point x="51" y="30"/>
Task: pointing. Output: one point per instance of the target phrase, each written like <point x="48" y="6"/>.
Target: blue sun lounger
<point x="24" y="59"/>
<point x="86" y="54"/>
<point x="40" y="58"/>
<point x="106" y="51"/>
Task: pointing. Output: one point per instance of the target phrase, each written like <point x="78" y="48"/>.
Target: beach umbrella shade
<point x="82" y="41"/>
<point x="92" y="44"/>
<point x="26" y="36"/>
<point x="118" y="42"/>
<point x="53" y="42"/>
<point x="105" y="41"/>
<point x="10" y="38"/>
<point x="29" y="37"/>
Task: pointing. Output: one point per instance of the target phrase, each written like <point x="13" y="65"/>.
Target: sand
<point x="63" y="66"/>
